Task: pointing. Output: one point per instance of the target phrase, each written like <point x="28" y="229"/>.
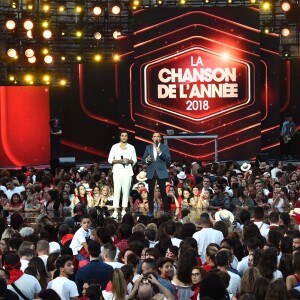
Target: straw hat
<point x="224" y="215"/>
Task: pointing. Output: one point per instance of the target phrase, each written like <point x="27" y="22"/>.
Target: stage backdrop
<point x="202" y="71"/>
<point x="24" y="126"/>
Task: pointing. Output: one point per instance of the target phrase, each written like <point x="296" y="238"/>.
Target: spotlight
<point x="63" y="82"/>
<point x="116" y="57"/>
<point x="266" y="28"/>
<point x="45" y="51"/>
<point x="116" y="8"/>
<point x="28" y="24"/>
<point x="286" y="51"/>
<point x="159" y="2"/>
<point x="79" y="32"/>
<point x="29" y="5"/>
<point x="61" y="6"/>
<point x="135" y="4"/>
<point x="28" y="78"/>
<point x="229" y="1"/>
<point x="266" y="5"/>
<point x="14" y="4"/>
<point x="97" y="57"/>
<point x="29" y="52"/>
<point x="97" y="9"/>
<point x="12" y="78"/>
<point x="45" y="23"/>
<point x="29" y="34"/>
<point x="285" y="5"/>
<point x="285" y="29"/>
<point x="46" y="78"/>
<point x="206" y="1"/>
<point x="117" y="32"/>
<point x="47" y="34"/>
<point x="32" y="59"/>
<point x="10" y="24"/>
<point x="97" y="35"/>
<point x="63" y="58"/>
<point x="252" y="1"/>
<point x="78" y="57"/>
<point x="46" y="7"/>
<point x="11" y="52"/>
<point x="48" y="59"/>
<point x="79" y="6"/>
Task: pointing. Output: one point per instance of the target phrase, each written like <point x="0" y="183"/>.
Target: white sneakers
<point x="114" y="215"/>
<point x="123" y="213"/>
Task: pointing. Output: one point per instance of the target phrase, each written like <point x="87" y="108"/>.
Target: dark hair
<point x="127" y="271"/>
<point x="277" y="290"/>
<point x="31" y="271"/>
<point x="274" y="237"/>
<point x="12" y="261"/>
<point x="186" y="262"/>
<point x="3" y="287"/>
<point x="187" y="230"/>
<point x="170" y="228"/>
<point x="244" y="216"/>
<point x="61" y="261"/>
<point x="222" y="259"/>
<point x="212" y="286"/>
<point x="268" y="263"/>
<point x="163" y="244"/>
<point x="221" y="226"/>
<point x="161" y="261"/>
<point x="136" y="247"/>
<point x="258" y="213"/>
<point x="37" y="263"/>
<point x="286" y="244"/>
<point x="260" y="288"/>
<point x="253" y="244"/>
<point x="125" y="231"/>
<point x="150" y="234"/>
<point x="274" y="217"/>
<point x="104" y="235"/>
<point x="154" y="252"/>
<point x="286" y="265"/>
<point x="49" y="294"/>
<point x="94" y="248"/>
<point x="51" y="261"/>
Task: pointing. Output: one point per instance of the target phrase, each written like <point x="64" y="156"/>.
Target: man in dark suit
<point x="156" y="156"/>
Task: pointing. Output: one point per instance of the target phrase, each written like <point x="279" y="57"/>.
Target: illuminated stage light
<point x="28" y="24"/>
<point x="32" y="59"/>
<point x="252" y="1"/>
<point x="116" y="33"/>
<point x="46" y="78"/>
<point x="286" y="51"/>
<point x="45" y="23"/>
<point x="48" y="59"/>
<point x="159" y="2"/>
<point x="47" y="34"/>
<point x="45" y="51"/>
<point x="46" y="7"/>
<point x="97" y="35"/>
<point x="79" y="32"/>
<point x="266" y="5"/>
<point x="11" y="52"/>
<point x="97" y="9"/>
<point x="28" y="78"/>
<point x="116" y="8"/>
<point x="116" y="57"/>
<point x="29" y="5"/>
<point x="79" y="6"/>
<point x="29" y="52"/>
<point x="225" y="56"/>
<point x="63" y="58"/>
<point x="14" y="4"/>
<point x="29" y="34"/>
<point x="285" y="5"/>
<point x="206" y="1"/>
<point x="10" y="24"/>
<point x="78" y="57"/>
<point x="266" y="28"/>
<point x="12" y="78"/>
<point x="182" y="2"/>
<point x="135" y="4"/>
<point x="63" y="82"/>
<point x="97" y="57"/>
<point x="285" y="29"/>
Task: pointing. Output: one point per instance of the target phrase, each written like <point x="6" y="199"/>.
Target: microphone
<point x="122" y="159"/>
<point x="156" y="143"/>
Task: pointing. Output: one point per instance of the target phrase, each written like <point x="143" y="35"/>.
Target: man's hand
<point x="157" y="150"/>
<point x="148" y="158"/>
<point x="152" y="279"/>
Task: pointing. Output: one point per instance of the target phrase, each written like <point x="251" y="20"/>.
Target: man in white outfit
<point x="122" y="156"/>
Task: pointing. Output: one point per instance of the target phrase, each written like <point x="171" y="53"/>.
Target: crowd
<point x="231" y="232"/>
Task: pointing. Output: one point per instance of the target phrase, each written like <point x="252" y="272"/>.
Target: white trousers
<point x="122" y="181"/>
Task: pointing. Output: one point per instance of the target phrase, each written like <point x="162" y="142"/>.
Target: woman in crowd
<point x="142" y="204"/>
<point x="52" y="201"/>
<point x="38" y="264"/>
<point x="248" y="280"/>
<point x="106" y="197"/>
<point x="32" y="204"/>
<point x="294" y="279"/>
<point x="15" y="204"/>
<point x="197" y="275"/>
<point x="64" y="198"/>
<point x="204" y="199"/>
<point x="211" y="252"/>
<point x="277" y="290"/>
<point x="81" y="195"/>
<point x="279" y="201"/>
<point x="242" y="200"/>
<point x="186" y="196"/>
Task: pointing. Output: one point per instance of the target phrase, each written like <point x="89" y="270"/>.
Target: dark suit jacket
<point x="160" y="164"/>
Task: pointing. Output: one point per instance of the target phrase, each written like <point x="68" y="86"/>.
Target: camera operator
<point x="147" y="287"/>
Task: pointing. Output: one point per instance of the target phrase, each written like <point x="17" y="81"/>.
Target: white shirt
<point x="206" y="236"/>
<point x="16" y="190"/>
<point x="28" y="285"/>
<point x="243" y="265"/>
<point x="24" y="264"/>
<point x="234" y="283"/>
<point x="116" y="153"/>
<point x="115" y="264"/>
<point x="261" y="226"/>
<point x="79" y="238"/>
<point x="64" y="287"/>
